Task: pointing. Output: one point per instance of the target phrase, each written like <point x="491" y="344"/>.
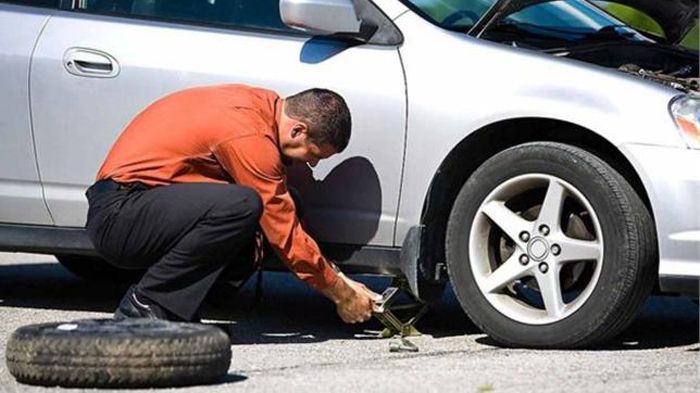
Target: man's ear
<point x="299" y="128"/>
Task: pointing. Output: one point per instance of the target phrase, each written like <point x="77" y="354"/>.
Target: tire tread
<point x="89" y="360"/>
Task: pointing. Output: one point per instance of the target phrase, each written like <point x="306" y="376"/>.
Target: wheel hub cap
<point x="538" y="249"/>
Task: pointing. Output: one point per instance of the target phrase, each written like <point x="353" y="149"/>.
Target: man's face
<point x="310" y="153"/>
<point x="301" y="148"/>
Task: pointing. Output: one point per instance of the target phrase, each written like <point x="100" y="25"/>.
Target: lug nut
<point x="524" y="259"/>
<point x="544" y="230"/>
<point x="544" y="267"/>
<point x="524" y="236"/>
<point x="556" y="250"/>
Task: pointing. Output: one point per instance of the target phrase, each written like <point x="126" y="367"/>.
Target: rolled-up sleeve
<point x="254" y="161"/>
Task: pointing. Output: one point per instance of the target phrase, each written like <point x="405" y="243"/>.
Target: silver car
<point x="540" y="156"/>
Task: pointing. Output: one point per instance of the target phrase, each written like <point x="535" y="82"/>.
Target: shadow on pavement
<point x="50" y="286"/>
<point x="663" y="322"/>
<point x="231" y="378"/>
<point x="291" y="312"/>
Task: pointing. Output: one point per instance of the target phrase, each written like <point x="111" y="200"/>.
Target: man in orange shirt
<point x="191" y="179"/>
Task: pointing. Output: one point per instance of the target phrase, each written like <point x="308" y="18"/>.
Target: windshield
<point x="545" y="24"/>
<point x="452" y="14"/>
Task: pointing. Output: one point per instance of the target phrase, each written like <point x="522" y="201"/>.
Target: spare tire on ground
<point x="124" y="353"/>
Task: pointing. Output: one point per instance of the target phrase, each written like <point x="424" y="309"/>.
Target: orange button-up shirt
<point x="220" y="134"/>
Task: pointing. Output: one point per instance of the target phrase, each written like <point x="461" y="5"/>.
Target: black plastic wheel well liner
<point x="483" y="144"/>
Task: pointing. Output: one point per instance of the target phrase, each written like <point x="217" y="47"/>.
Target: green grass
<point x="692" y="40"/>
<point x="643" y="22"/>
<point x="634" y="18"/>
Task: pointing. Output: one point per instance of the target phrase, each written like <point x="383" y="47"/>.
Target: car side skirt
<point x="54" y="240"/>
<point x="45" y="240"/>
<point x="686" y="285"/>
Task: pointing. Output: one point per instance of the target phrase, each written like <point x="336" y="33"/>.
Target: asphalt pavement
<point x="293" y="341"/>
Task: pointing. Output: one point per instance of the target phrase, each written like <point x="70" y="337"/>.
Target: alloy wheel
<point x="536" y="249"/>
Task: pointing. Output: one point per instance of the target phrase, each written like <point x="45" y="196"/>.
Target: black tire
<point x="628" y="269"/>
<point x="126" y="353"/>
<point x="97" y="269"/>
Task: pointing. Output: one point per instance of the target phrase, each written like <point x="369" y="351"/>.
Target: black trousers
<point x="185" y="234"/>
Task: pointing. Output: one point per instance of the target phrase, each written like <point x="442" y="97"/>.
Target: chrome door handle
<point x="90" y="63"/>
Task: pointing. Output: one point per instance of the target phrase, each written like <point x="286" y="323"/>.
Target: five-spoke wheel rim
<point x="538" y="269"/>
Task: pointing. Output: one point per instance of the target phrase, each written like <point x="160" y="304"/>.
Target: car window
<point x="560" y="23"/>
<point x="451" y="14"/>
<point x="35" y="3"/>
<point x="572" y="15"/>
<point x="256" y="14"/>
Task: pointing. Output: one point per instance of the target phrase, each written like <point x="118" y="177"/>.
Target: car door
<point x="21" y="199"/>
<point x="98" y="65"/>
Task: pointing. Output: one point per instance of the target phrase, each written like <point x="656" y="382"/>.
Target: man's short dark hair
<point x="325" y="113"/>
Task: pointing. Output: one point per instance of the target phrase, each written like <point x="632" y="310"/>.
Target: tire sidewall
<point x="608" y="203"/>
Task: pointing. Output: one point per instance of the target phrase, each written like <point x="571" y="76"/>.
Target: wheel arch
<point x="479" y="146"/>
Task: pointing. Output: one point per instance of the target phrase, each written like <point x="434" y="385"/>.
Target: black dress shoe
<point x="133" y="306"/>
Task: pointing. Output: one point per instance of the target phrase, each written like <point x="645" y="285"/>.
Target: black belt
<point x="110" y="185"/>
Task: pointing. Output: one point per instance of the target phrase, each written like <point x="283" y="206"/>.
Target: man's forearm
<point x="339" y="291"/>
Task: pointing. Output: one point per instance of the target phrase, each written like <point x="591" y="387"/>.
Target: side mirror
<point x="321" y="17"/>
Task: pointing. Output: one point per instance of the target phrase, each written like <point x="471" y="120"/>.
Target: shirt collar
<point x="277" y="115"/>
<point x="279" y="102"/>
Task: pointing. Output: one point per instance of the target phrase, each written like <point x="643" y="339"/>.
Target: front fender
<point x="458" y="84"/>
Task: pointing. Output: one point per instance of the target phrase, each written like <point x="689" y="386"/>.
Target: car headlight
<point x="685" y="110"/>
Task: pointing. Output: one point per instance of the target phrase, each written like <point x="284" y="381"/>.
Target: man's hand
<point x="354" y="301"/>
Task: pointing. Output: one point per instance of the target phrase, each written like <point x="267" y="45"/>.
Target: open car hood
<point x="659" y="60"/>
<point x="676" y="17"/>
